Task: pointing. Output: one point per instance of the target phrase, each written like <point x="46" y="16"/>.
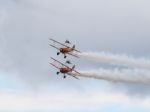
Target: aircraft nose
<point x="60" y="49"/>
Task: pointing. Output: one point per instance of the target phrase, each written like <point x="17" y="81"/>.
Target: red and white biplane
<point x="65" y="49"/>
<point x="64" y="69"/>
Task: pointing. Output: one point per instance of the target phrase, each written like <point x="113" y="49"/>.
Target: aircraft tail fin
<point x="73" y="67"/>
<point x="73" y="47"/>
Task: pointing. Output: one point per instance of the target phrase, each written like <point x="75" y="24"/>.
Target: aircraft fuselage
<point x="65" y="50"/>
<point x="65" y="70"/>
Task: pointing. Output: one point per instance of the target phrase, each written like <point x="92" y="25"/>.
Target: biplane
<point x="65" y="49"/>
<point x="64" y="69"/>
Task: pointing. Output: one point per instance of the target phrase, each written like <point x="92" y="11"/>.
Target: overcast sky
<point x="114" y="26"/>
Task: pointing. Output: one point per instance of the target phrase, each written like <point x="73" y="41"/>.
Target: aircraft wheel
<point x="58" y="53"/>
<point x="57" y="73"/>
<point x="65" y="56"/>
<point x="64" y="76"/>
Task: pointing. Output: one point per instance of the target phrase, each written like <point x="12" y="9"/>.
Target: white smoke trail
<point x="116" y="75"/>
<point x="117" y="59"/>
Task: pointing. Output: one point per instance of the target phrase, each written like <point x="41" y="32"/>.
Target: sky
<point x="29" y="84"/>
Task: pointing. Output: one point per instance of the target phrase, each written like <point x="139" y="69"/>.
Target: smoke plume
<point x="116" y="75"/>
<point x="116" y="59"/>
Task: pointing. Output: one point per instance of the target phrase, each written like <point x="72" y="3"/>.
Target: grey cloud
<point x="115" y="26"/>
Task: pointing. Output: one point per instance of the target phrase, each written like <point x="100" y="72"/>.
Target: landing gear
<point x="58" y="53"/>
<point x="57" y="73"/>
<point x="65" y="56"/>
<point x="64" y="76"/>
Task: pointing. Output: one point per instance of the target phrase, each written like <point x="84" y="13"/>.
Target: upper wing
<point x="54" y="46"/>
<point x="54" y="65"/>
<point x="58" y="42"/>
<point x="60" y="62"/>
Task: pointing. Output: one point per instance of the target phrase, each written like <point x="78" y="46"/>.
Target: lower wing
<point x="54" y="65"/>
<point x="73" y="55"/>
<point x="73" y="76"/>
<point x="76" y="72"/>
<point x="54" y="47"/>
<point x="77" y="51"/>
